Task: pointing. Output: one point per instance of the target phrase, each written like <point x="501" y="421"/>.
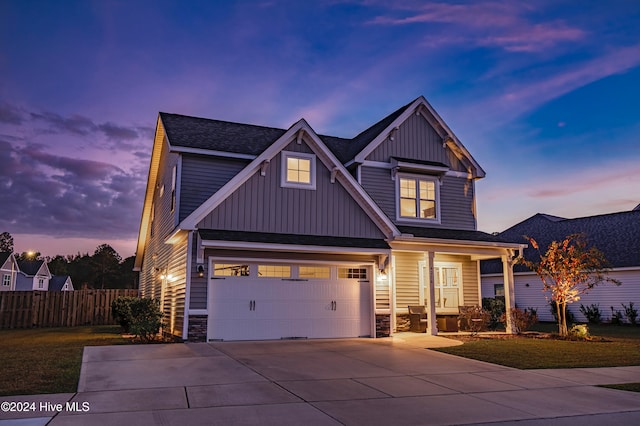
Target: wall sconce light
<point x="200" y="271"/>
<point x="382" y="276"/>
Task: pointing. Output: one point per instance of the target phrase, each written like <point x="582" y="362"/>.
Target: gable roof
<point x="57" y="282"/>
<point x="30" y="267"/>
<point x="636" y="208"/>
<point x="617" y="235"/>
<point x="300" y="130"/>
<point x="4" y="255"/>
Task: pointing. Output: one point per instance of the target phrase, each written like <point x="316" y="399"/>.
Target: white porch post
<point x="509" y="297"/>
<point x="432" y="324"/>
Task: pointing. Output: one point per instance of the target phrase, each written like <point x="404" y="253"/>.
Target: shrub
<point x="592" y="313"/>
<point x="580" y="332"/>
<point x="474" y="318"/>
<point x="630" y="313"/>
<point x="146" y="318"/>
<point x="616" y="316"/>
<point x="139" y="316"/>
<point x="121" y="311"/>
<point x="521" y="320"/>
<point x="495" y="307"/>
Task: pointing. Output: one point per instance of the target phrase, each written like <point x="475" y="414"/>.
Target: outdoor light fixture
<point x="200" y="271"/>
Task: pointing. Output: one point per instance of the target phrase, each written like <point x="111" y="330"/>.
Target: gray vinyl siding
<point x="457" y="198"/>
<point x="416" y="139"/>
<point x="203" y="176"/>
<point x="606" y="295"/>
<point x="262" y="205"/>
<point x="156" y="252"/>
<point x="198" y="285"/>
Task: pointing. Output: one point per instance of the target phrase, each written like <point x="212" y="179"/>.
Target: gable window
<point x="417" y="198"/>
<point x="40" y="283"/>
<point x="298" y="170"/>
<point x="6" y="280"/>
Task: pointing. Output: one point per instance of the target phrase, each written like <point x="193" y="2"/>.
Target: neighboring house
<point x="253" y="232"/>
<point x="33" y="275"/>
<point x="617" y="235"/>
<point x="8" y="271"/>
<point x="60" y="283"/>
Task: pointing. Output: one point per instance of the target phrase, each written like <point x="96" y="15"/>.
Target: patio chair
<point x="418" y="318"/>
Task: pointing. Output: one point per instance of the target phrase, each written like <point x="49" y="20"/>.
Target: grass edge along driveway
<point x="48" y="360"/>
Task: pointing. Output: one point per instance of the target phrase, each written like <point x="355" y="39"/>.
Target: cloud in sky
<point x="500" y="25"/>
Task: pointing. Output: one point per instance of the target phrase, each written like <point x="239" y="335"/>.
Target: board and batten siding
<point x="457" y="198"/>
<point x="202" y="176"/>
<point x="416" y="139"/>
<point x="262" y="205"/>
<point x="605" y="294"/>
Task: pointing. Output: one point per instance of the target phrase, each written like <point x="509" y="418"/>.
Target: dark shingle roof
<point x="313" y="240"/>
<point x="617" y="235"/>
<point x="455" y="234"/>
<point x="30" y="267"/>
<point x="217" y="135"/>
<point x="4" y="255"/>
<point x="57" y="282"/>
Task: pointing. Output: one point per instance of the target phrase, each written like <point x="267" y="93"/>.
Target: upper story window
<point x="298" y="170"/>
<point x="6" y="280"/>
<point x="418" y="198"/>
<point x="40" y="283"/>
<point x="174" y="178"/>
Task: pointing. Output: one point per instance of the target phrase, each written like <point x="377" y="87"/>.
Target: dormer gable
<point x="416" y="131"/>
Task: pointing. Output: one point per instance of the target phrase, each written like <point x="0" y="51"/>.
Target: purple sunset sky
<point x="546" y="96"/>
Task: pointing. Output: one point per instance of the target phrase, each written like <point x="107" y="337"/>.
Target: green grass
<point x="48" y="360"/>
<point x="631" y="387"/>
<point x="612" y="346"/>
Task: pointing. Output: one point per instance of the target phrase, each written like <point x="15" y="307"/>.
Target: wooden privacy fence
<point x="26" y="309"/>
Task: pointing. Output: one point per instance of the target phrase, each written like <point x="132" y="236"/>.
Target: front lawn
<point x="612" y="346"/>
<point x="48" y="360"/>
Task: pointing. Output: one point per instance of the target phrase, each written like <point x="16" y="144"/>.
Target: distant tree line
<point x="105" y="268"/>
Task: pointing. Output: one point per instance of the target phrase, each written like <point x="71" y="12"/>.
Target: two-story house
<point x="8" y="271"/>
<point x="251" y="232"/>
<point x="32" y="275"/>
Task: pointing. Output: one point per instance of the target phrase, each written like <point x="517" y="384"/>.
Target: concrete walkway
<point x="325" y="382"/>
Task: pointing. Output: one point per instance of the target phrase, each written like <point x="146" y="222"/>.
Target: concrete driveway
<point x="393" y="381"/>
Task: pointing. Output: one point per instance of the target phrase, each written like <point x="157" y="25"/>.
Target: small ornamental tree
<point x="568" y="269"/>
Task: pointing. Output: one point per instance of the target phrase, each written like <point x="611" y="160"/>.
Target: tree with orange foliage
<point x="569" y="269"/>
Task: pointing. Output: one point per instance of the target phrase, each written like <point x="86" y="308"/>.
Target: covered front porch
<point x="442" y="276"/>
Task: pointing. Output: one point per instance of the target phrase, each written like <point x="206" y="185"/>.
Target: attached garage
<point x="259" y="300"/>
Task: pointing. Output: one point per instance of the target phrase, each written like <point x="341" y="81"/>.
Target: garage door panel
<point x="288" y="308"/>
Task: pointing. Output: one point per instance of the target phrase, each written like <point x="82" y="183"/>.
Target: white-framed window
<point x="298" y="170"/>
<point x="417" y="198"/>
<point x="230" y="270"/>
<point x="40" y="283"/>
<point x="448" y="286"/>
<point x="174" y="178"/>
<point x="6" y="280"/>
<point x="274" y="271"/>
<point x="353" y="273"/>
<point x="314" y="272"/>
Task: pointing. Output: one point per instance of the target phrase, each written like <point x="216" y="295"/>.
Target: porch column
<point x="432" y="324"/>
<point x="509" y="297"/>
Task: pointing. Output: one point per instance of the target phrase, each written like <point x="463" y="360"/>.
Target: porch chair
<point x="418" y="318"/>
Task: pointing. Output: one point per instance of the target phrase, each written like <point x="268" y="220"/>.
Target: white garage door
<point x="259" y="301"/>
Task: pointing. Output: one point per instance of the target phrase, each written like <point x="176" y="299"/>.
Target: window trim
<point x="418" y="178"/>
<point x="174" y="179"/>
<point x="284" y="183"/>
<point x="6" y="282"/>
